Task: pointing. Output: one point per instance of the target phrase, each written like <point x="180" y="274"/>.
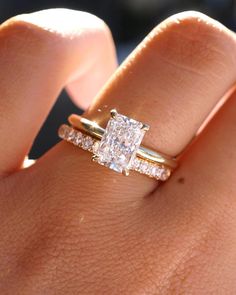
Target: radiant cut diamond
<point x="120" y="142"/>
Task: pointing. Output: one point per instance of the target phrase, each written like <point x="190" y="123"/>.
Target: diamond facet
<point x="78" y="138"/>
<point x="120" y="142"/>
<point x="164" y="174"/>
<point x="87" y="143"/>
<point x="152" y="170"/>
<point x="95" y="147"/>
<point x="71" y="135"/>
<point x="136" y="164"/>
<point x="144" y="167"/>
<point x="62" y="132"/>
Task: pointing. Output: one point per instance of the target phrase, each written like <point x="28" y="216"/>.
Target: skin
<point x="71" y="226"/>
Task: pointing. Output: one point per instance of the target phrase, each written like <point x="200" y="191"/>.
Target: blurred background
<point x="129" y="20"/>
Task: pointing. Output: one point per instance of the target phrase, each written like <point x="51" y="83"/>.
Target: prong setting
<point x="125" y="172"/>
<point x="113" y="113"/>
<point x="95" y="158"/>
<point x="145" y="127"/>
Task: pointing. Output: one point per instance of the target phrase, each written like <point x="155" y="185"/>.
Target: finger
<point x="197" y="206"/>
<point x="212" y="159"/>
<point x="82" y="88"/>
<point x="39" y="55"/>
<point x="171" y="82"/>
<point x="173" y="79"/>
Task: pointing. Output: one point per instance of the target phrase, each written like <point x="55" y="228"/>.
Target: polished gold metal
<point x="145" y="127"/>
<point x="96" y="131"/>
<point x="94" y="158"/>
<point x="113" y="113"/>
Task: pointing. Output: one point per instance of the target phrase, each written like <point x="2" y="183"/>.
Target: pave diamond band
<point x="118" y="147"/>
<point x="90" y="144"/>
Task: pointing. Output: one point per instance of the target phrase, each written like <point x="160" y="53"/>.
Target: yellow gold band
<point x="94" y="130"/>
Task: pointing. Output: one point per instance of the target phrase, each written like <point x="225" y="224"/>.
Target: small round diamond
<point x="95" y="147"/>
<point x="87" y="143"/>
<point x="143" y="167"/>
<point x="157" y="172"/>
<point x="136" y="164"/>
<point x="71" y="135"/>
<point x="62" y="132"/>
<point x="164" y="174"/>
<point x="78" y="138"/>
<point x="152" y="170"/>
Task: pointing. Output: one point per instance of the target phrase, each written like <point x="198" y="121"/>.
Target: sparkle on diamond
<point x="120" y="142"/>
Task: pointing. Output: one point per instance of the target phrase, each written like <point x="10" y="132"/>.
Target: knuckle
<point x="20" y="37"/>
<point x="43" y="32"/>
<point x="192" y="39"/>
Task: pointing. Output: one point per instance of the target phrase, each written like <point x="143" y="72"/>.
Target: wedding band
<point x="119" y="145"/>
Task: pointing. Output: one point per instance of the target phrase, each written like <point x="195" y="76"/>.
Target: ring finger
<point x="171" y="82"/>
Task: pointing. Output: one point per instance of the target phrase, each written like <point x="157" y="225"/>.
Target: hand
<point x="70" y="226"/>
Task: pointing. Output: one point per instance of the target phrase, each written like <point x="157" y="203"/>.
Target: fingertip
<point x="62" y="20"/>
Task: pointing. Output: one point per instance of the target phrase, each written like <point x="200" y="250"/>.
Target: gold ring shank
<point x="93" y="129"/>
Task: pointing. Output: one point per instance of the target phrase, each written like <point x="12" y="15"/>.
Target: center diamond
<point x="120" y="142"/>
